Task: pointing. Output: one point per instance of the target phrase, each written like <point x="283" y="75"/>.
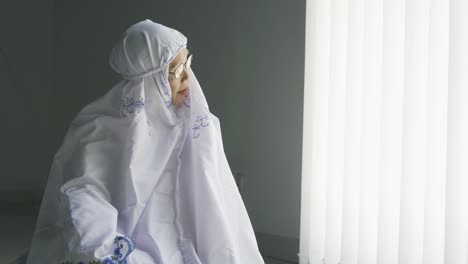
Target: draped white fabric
<point x="139" y="180"/>
<point x="385" y="146"/>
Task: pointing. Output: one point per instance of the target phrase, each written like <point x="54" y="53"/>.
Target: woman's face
<point x="178" y="86"/>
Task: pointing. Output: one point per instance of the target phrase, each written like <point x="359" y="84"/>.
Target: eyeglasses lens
<point x="181" y="67"/>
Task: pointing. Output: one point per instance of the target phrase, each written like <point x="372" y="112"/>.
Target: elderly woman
<point x="141" y="176"/>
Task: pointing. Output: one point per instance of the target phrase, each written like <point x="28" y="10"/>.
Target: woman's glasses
<point x="178" y="71"/>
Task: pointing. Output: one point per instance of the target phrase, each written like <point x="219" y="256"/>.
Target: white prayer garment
<point x="139" y="180"/>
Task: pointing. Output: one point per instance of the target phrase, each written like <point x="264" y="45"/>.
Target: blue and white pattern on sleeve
<point x="123" y="247"/>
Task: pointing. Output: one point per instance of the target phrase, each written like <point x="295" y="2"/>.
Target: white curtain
<point x="385" y="140"/>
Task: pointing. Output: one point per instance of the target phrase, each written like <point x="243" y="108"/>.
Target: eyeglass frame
<point x="189" y="61"/>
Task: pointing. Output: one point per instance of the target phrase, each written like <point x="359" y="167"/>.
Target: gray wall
<point x="265" y="107"/>
<point x="25" y="85"/>
<point x="248" y="57"/>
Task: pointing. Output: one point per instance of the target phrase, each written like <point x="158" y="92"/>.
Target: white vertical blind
<point x="385" y="147"/>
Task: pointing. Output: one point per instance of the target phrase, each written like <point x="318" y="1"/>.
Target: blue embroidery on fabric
<point x="123" y="247"/>
<point x="131" y="105"/>
<point x="201" y="121"/>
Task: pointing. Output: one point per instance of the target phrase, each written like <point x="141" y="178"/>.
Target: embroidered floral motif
<point x="123" y="247"/>
<point x="131" y="105"/>
<point x="201" y="121"/>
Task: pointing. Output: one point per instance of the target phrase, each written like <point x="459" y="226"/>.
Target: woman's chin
<point x="178" y="102"/>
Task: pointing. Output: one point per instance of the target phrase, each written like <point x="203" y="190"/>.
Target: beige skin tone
<point x="180" y="84"/>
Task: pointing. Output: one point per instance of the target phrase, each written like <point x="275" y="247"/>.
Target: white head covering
<point x="138" y="172"/>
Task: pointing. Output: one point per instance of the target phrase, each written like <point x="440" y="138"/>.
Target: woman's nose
<point x="185" y="75"/>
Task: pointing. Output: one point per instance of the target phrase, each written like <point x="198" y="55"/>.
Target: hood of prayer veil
<point x="140" y="180"/>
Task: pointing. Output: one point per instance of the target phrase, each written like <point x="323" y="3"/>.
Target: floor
<point x="17" y="222"/>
